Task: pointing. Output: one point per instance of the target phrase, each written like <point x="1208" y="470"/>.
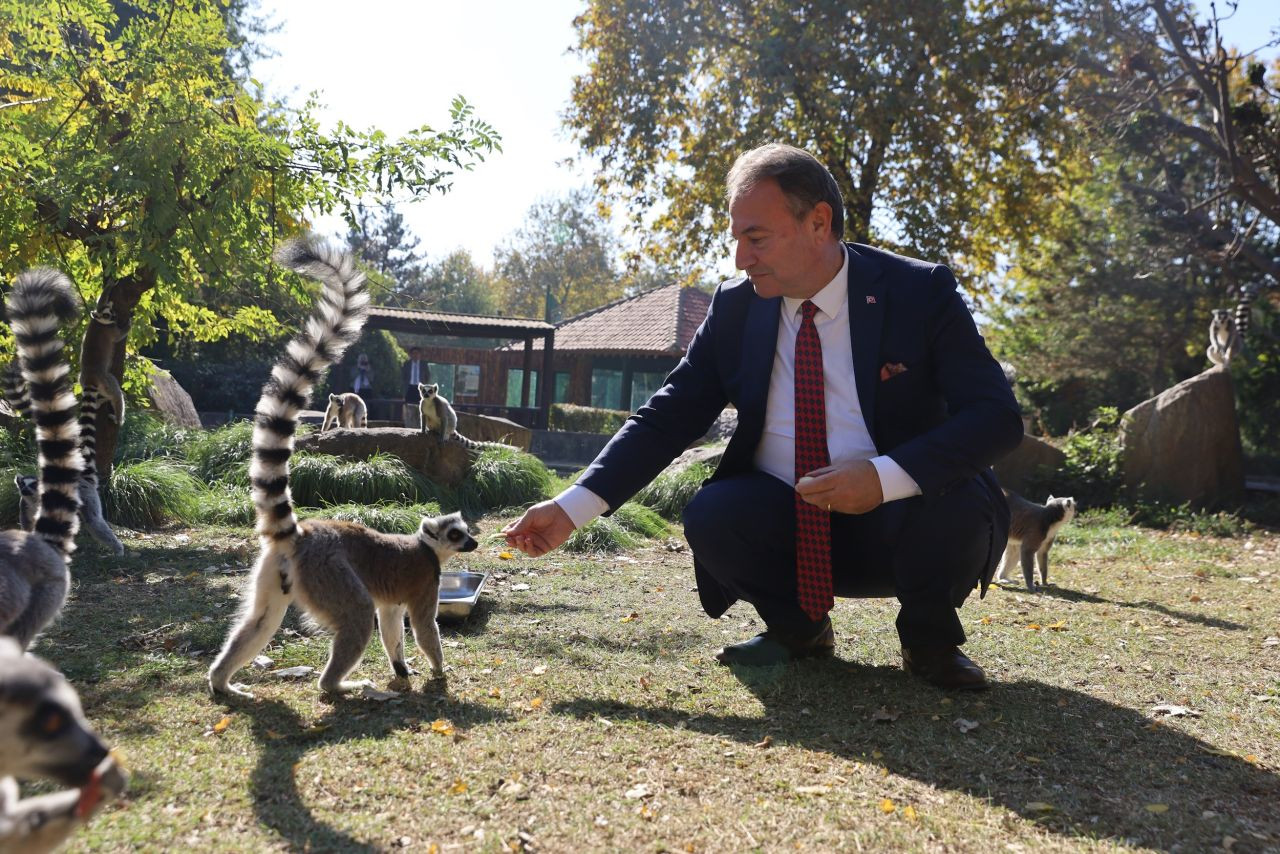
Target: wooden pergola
<point x="416" y="322"/>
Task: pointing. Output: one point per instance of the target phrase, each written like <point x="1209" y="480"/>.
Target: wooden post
<point x="528" y="369"/>
<point x="548" y="384"/>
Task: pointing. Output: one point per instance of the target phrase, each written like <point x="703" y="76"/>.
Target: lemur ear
<point x="1050" y="498"/>
<point x="333" y="398"/>
<point x="428" y="529"/>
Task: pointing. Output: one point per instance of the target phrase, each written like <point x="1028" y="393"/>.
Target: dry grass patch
<point x="583" y="711"/>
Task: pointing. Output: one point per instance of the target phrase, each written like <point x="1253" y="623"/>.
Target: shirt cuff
<point x="581" y="505"/>
<point x="895" y="483"/>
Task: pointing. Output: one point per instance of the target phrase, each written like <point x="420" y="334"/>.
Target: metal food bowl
<point x="459" y="592"/>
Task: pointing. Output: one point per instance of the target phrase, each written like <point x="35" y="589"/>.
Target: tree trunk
<point x="125" y="294"/>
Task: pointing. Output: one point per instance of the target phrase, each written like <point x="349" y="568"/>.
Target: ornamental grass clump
<point x="151" y="493"/>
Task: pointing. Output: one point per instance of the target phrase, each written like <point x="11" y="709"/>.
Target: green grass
<point x="625" y="529"/>
<point x="500" y="478"/>
<point x="583" y="709"/>
<point x="318" y="480"/>
<point x="388" y="518"/>
<point x="151" y="493"/>
<point x="222" y="454"/>
<point x="146" y="435"/>
<point x="671" y="491"/>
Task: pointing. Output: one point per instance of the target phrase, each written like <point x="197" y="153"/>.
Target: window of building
<point x="443" y="374"/>
<point x="643" y="385"/>
<point x="606" y="389"/>
<point x="466" y="380"/>
<point x="561" y="392"/>
<point x="515" y="379"/>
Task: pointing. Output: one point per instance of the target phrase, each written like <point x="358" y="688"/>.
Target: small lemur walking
<point x="33" y="565"/>
<point x="438" y="416"/>
<point x="44" y="734"/>
<point x="340" y="573"/>
<point x="1032" y="529"/>
<point x="345" y="410"/>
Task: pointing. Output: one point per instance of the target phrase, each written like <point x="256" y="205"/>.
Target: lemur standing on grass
<point x="340" y="573"/>
<point x="33" y="565"/>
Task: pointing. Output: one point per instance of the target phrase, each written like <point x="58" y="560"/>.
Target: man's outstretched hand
<point x="543" y="527"/>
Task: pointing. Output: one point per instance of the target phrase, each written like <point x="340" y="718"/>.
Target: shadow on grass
<point x="1072" y="763"/>
<point x="279" y="804"/>
<point x="1144" y="605"/>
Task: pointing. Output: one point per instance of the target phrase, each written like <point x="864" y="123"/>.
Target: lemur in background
<point x="345" y="410"/>
<point x="1032" y="530"/>
<point x="44" y="735"/>
<point x="97" y="351"/>
<point x="33" y="565"/>
<point x="340" y="573"/>
<point x="438" y="416"/>
<point x="1225" y="342"/>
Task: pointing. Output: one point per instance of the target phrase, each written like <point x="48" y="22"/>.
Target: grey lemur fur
<point x="340" y="573"/>
<point x="438" y="416"/>
<point x="96" y="354"/>
<point x="1032" y="530"/>
<point x="33" y="565"/>
<point x="345" y="410"/>
<point x="44" y="735"/>
<point x="1225" y="342"/>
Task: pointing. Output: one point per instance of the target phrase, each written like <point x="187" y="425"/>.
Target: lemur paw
<point x="236" y="689"/>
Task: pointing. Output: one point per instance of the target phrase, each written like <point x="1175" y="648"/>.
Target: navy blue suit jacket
<point x="945" y="419"/>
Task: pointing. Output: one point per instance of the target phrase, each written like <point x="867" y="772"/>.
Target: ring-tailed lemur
<point x="438" y="416"/>
<point x="1225" y="342"/>
<point x="90" y="501"/>
<point x="1032" y="530"/>
<point x="97" y="351"/>
<point x="44" y="734"/>
<point x="345" y="410"/>
<point x="340" y="573"/>
<point x="33" y="565"/>
<point x="15" y="390"/>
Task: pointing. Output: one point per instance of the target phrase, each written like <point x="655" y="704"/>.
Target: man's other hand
<point x="848" y="488"/>
<point x="543" y="527"/>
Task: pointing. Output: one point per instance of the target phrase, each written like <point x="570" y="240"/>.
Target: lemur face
<point x="333" y="398"/>
<point x="428" y="390"/>
<point x="447" y="535"/>
<point x="28" y="485"/>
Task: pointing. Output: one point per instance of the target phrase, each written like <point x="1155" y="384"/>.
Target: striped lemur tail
<point x="15" y="390"/>
<point x="333" y="327"/>
<point x="41" y="301"/>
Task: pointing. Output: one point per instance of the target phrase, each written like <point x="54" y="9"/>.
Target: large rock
<point x="487" y="428"/>
<point x="441" y="462"/>
<point x="171" y="401"/>
<point x="1029" y="461"/>
<point x="1184" y="444"/>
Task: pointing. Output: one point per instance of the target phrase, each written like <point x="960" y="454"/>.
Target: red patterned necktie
<point x="813" y="524"/>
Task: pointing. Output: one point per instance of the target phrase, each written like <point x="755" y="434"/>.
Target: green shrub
<point x="1090" y="473"/>
<point x="222" y="455"/>
<point x="9" y="496"/>
<point x="226" y="504"/>
<point x="619" y="532"/>
<point x="499" y="478"/>
<point x="321" y="480"/>
<point x="585" y="419"/>
<point x="1183" y="517"/>
<point x="388" y="518"/>
<point x="151" y="493"/>
<point x="145" y="435"/>
<point x="671" y="491"/>
<point x="18" y="449"/>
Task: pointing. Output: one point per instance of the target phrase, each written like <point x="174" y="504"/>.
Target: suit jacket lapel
<point x="866" y="318"/>
<point x="759" y="344"/>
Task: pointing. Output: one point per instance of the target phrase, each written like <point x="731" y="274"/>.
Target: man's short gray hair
<point x="801" y="177"/>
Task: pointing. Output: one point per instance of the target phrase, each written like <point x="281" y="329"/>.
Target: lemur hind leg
<point x="264" y="609"/>
<point x="426" y="632"/>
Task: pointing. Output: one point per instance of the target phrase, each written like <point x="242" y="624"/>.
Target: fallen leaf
<point x="458" y="787"/>
<point x="1059" y="626"/>
<point x="299" y="672"/>
<point x="632" y="616"/>
<point x="519" y="587"/>
<point x="443" y="727"/>
<point x="221" y="726"/>
<point x="1271" y="642"/>
<point x="495" y="691"/>
<point x="965" y="725"/>
<point x="909" y="813"/>
<point x="812" y="790"/>
<point x="539" y="670"/>
<point x="1035" y="627"/>
<point x="765" y="742"/>
<point x="1039" y="806"/>
<point x="535" y="703"/>
<point x="505" y="555"/>
<point x="1157" y="808"/>
<point x="884" y="715"/>
<point x="639" y="790"/>
<point x="1173" y="711"/>
<point x="887" y="806"/>
<point x="986" y="621"/>
<point x="374" y="694"/>
<point x="273" y="735"/>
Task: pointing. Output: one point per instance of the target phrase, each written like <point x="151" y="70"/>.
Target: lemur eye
<point x="50" y="720"/>
<point x="455" y="535"/>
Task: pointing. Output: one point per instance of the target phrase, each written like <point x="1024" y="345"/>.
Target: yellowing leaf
<point x="887" y="806"/>
<point x="765" y="742"/>
<point x="986" y="621"/>
<point x="506" y="555"/>
<point x="875" y="754"/>
<point x="458" y="787"/>
<point x="1157" y="808"/>
<point x="909" y="813"/>
<point x="443" y="727"/>
<point x="1059" y="626"/>
<point x="535" y="703"/>
<point x="1035" y="627"/>
<point x="1039" y="806"/>
<point x="495" y="691"/>
<point x="221" y="726"/>
<point x="632" y="616"/>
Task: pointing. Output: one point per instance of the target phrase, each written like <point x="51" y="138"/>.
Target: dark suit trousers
<point x="929" y="552"/>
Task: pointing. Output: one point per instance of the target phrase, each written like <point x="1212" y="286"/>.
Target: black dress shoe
<point x="944" y="666"/>
<point x="772" y="647"/>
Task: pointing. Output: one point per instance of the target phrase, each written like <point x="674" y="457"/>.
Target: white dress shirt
<point x="847" y="436"/>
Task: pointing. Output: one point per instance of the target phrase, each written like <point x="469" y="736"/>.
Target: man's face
<point x="415" y="354"/>
<point x="782" y="255"/>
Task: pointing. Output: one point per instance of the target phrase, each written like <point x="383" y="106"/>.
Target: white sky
<point x="396" y="64"/>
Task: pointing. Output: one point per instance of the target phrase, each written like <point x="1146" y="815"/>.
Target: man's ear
<point x="819" y="220"/>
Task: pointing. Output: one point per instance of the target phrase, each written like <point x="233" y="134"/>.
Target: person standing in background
<point x="362" y="378"/>
<point x="415" y="371"/>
